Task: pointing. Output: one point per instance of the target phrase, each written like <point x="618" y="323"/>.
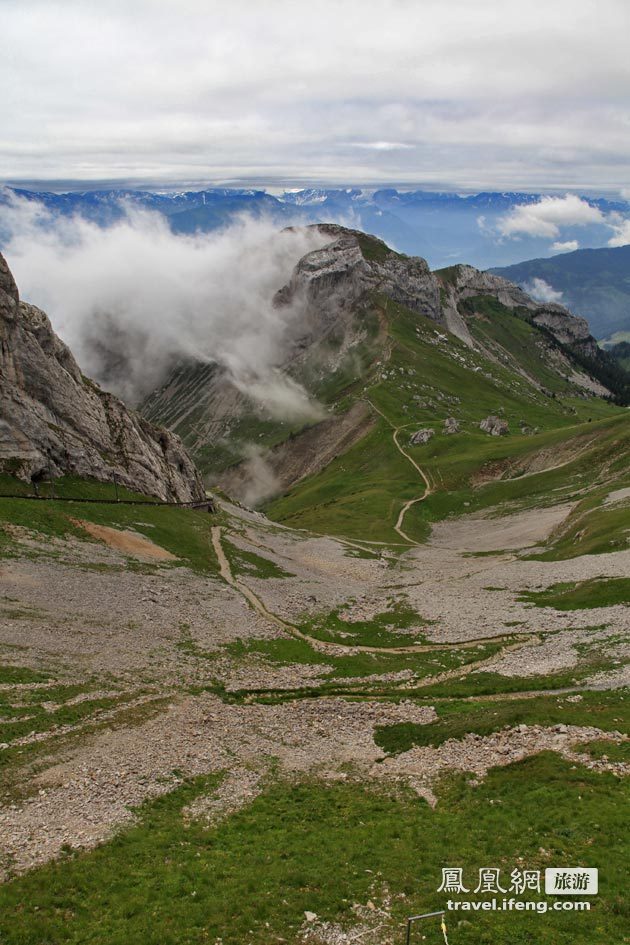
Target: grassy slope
<point x="183" y="532"/>
<point x="606" y="710"/>
<point x="361" y="492"/>
<point x="314" y="847"/>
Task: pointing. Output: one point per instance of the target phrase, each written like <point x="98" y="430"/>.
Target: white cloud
<point x="542" y="291"/>
<point x="621" y="229"/>
<point x="382" y="145"/>
<point x="132" y="299"/>
<point x="568" y="247"/>
<point x="545" y="217"/>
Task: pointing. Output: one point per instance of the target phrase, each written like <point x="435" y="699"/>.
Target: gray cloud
<point x="132" y="299"/>
<point x="468" y="94"/>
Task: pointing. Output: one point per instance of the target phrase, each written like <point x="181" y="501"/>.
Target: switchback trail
<point x="429" y="487"/>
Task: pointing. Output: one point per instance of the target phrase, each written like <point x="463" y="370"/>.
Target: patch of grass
<point x="38" y="719"/>
<point x="597" y="592"/>
<point x="316" y="847"/>
<point x="594" y="527"/>
<point x="605" y="710"/>
<point x="248" y="563"/>
<point x="183" y="532"/>
<point x="481" y="683"/>
<point x="382" y="629"/>
<point x="601" y="748"/>
<point x="373" y="249"/>
<point x="419" y="665"/>
<point x="21" y="674"/>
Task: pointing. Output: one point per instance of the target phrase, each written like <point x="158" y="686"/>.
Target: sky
<point x="453" y="94"/>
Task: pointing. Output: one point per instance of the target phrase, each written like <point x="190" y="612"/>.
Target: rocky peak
<point x="340" y="273"/>
<point x="9" y="297"/>
<point x="54" y="421"/>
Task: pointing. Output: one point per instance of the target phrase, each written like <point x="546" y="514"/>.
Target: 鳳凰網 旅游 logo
<point x="571" y="881"/>
<point x="504" y="890"/>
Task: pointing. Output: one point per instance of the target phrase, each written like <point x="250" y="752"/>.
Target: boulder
<point x="420" y="437"/>
<point x="451" y="425"/>
<point x="495" y="426"/>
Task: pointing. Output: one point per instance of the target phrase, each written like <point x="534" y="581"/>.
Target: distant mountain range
<point x="594" y="283"/>
<point x="444" y="228"/>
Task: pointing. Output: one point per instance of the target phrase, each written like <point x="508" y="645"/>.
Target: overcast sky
<point x="464" y="94"/>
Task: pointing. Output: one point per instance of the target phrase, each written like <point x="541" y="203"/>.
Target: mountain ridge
<point x="349" y="291"/>
<point x="594" y="282"/>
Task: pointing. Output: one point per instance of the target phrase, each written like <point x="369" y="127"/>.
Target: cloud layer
<point x="132" y="299"/>
<point x="467" y="94"/>
<point x="547" y="217"/>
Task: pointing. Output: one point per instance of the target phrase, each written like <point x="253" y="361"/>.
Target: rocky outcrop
<point x="451" y="425"/>
<point x="462" y="282"/>
<point x="495" y="426"/>
<point x="334" y="278"/>
<point x="420" y="437"/>
<point x="337" y="276"/>
<point x="54" y="421"/>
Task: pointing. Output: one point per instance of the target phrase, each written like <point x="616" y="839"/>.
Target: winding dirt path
<point x="342" y="649"/>
<point x="429" y="487"/>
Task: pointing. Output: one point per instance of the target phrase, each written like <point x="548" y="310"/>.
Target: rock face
<point x="466" y="282"/>
<point x="451" y="425"/>
<point x="338" y="275"/>
<point x="420" y="437"/>
<point x="335" y="277"/>
<point x="494" y="426"/>
<point x="55" y="421"/>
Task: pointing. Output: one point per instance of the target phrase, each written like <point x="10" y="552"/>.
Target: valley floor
<point x="315" y="684"/>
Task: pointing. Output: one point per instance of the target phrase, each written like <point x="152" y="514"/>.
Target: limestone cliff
<point x="54" y="421"/>
<point x="463" y="282"/>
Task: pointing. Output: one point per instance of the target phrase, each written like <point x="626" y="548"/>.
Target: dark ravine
<point x="54" y="421"/>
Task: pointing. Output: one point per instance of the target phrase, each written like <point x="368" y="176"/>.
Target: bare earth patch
<point x="481" y="533"/>
<point x="130" y="543"/>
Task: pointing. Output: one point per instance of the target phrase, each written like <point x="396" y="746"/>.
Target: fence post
<point x="415" y="918"/>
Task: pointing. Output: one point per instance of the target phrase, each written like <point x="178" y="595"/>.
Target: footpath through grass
<point x="320" y="848"/>
<point x="359" y="664"/>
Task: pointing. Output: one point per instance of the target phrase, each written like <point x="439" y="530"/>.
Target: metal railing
<point x="208" y="503"/>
